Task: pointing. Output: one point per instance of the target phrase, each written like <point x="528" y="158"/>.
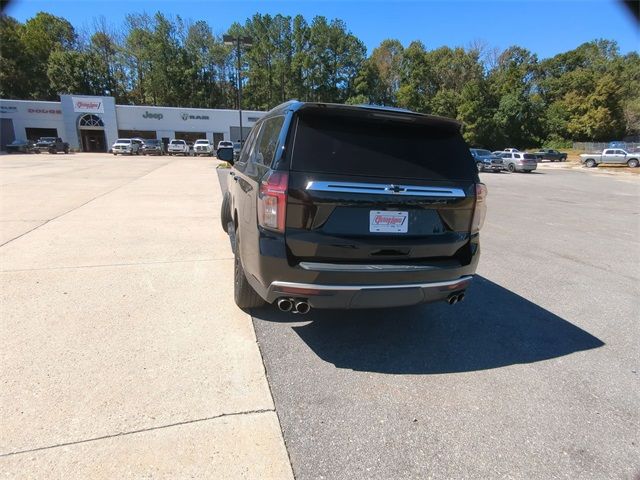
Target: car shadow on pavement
<point x="493" y="327"/>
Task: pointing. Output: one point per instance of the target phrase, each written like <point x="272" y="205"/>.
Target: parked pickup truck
<point x="203" y="147"/>
<point x="178" y="147"/>
<point x="51" y="145"/>
<point x="610" y="155"/>
<point x="550" y="154"/>
<point x="485" y="160"/>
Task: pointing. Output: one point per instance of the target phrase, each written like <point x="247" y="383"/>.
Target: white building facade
<point x="90" y="123"/>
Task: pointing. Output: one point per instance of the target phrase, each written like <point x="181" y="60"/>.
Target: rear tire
<point x="511" y="168"/>
<point x="243" y="293"/>
<point x="633" y="163"/>
<point x="590" y="163"/>
<point x="225" y="212"/>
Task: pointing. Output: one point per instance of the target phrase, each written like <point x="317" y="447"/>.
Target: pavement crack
<point x="141" y="430"/>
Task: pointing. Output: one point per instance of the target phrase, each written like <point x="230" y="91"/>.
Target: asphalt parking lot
<point x="535" y="375"/>
<point x="124" y="356"/>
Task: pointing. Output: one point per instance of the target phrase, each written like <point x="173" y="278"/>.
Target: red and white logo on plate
<point x="388" y="221"/>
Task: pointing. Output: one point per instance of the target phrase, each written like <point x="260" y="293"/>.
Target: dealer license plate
<point x="383" y="221"/>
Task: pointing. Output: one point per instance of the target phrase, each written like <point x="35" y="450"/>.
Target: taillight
<point x="272" y="201"/>
<point x="481" y="208"/>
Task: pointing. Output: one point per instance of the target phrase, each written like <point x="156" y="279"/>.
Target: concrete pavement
<point x="123" y="353"/>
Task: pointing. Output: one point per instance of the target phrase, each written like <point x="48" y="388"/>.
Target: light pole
<point x="238" y="42"/>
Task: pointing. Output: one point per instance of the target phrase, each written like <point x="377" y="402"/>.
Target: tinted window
<point x="608" y="152"/>
<point x="529" y="156"/>
<point x="248" y="145"/>
<point x="332" y="143"/>
<point x="483" y="153"/>
<point x="268" y="140"/>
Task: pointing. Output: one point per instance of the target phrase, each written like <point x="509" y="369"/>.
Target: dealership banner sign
<point x="87" y="105"/>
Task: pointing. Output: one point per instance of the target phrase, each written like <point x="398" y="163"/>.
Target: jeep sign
<point x="87" y="105"/>
<point x="148" y="114"/>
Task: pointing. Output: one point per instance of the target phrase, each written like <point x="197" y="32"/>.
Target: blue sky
<point x="544" y="27"/>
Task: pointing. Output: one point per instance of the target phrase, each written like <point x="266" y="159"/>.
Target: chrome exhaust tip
<point x="285" y="305"/>
<point x="302" y="308"/>
<point x="455" y="298"/>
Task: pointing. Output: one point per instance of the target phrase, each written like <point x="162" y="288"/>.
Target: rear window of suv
<point x="338" y="144"/>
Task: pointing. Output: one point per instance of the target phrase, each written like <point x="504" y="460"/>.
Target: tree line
<point x="510" y="97"/>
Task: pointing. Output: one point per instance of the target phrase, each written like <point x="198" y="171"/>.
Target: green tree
<point x="40" y="37"/>
<point x="518" y="106"/>
<point x="14" y="63"/>
<point x="336" y="57"/>
<point x="75" y="72"/>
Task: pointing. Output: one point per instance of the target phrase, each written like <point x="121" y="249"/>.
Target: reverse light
<point x="480" y="210"/>
<point x="272" y="201"/>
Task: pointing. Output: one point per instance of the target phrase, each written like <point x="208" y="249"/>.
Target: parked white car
<point x="610" y="155"/>
<point x="225" y="144"/>
<point x="178" y="147"/>
<point x="203" y="147"/>
<point x="128" y="146"/>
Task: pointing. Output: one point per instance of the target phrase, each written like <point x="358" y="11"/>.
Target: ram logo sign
<point x="87" y="105"/>
<point x="187" y="116"/>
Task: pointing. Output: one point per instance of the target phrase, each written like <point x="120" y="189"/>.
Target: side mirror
<point x="225" y="154"/>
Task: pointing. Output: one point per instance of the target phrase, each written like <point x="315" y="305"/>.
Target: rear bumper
<point x="367" y="296"/>
<point x="524" y="168"/>
<point x="329" y="285"/>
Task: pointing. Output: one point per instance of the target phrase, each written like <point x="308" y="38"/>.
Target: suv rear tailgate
<point x="371" y="190"/>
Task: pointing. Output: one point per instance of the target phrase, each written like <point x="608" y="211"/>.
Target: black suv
<point x="337" y="206"/>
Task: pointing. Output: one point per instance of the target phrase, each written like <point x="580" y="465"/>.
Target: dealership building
<point x="92" y="124"/>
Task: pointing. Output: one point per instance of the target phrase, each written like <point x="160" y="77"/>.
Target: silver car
<point x="519" y="162"/>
